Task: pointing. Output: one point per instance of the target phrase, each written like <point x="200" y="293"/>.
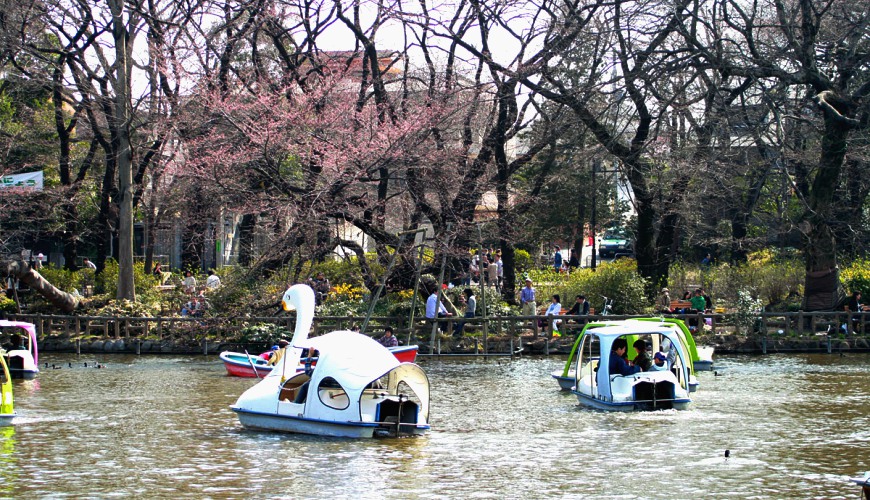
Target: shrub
<point x="775" y="283"/>
<point x="7" y="305"/>
<point x="746" y="311"/>
<point x="856" y="277"/>
<point x="522" y="261"/>
<point x="263" y="332"/>
<point x="241" y="294"/>
<point x="145" y="283"/>
<point x="346" y="271"/>
<point x="617" y="280"/>
<point x="127" y="308"/>
<point x="67" y="280"/>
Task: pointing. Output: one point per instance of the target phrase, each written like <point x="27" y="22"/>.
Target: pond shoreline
<point x="724" y="344"/>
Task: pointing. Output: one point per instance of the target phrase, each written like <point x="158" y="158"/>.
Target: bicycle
<point x="608" y="306"/>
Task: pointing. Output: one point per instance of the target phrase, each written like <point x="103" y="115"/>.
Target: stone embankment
<point x="130" y="346"/>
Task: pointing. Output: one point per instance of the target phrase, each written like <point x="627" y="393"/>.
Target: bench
<point x="680" y="304"/>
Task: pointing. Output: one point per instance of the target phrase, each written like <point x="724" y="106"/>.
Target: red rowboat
<point x="239" y="364"/>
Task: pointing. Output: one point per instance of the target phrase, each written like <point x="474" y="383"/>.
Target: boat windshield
<point x="590" y="351"/>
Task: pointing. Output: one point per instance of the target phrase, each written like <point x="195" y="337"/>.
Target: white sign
<point x="31" y="180"/>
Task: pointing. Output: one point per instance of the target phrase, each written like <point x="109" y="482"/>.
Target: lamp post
<point x="596" y="168"/>
<point x="596" y="165"/>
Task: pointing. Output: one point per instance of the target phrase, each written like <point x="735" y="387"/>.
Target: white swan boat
<point x="7" y="409"/>
<point x="599" y="385"/>
<point x="357" y="389"/>
<point x="23" y="361"/>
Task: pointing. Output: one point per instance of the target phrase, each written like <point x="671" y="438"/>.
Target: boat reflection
<point x="8" y="461"/>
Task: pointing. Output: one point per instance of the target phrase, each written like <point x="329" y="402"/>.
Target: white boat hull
<point x="566" y="383"/>
<point x="625" y="391"/>
<point x="23" y="374"/>
<point x="704" y="363"/>
<point x="630" y="405"/>
<point x="21" y="365"/>
<point x="301" y="425"/>
<point x="298" y="425"/>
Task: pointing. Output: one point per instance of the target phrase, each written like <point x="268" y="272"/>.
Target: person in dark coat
<point x="618" y="364"/>
<point x="641" y="361"/>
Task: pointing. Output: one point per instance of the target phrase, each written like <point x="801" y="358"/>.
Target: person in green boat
<point x="641" y="361"/>
<point x="660" y="362"/>
<point x="618" y="364"/>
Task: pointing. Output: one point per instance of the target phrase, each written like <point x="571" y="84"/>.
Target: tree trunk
<point x="121" y="133"/>
<point x="645" y="245"/>
<point x="821" y="246"/>
<point x="19" y="269"/>
<point x="246" y="240"/>
<point x="71" y="237"/>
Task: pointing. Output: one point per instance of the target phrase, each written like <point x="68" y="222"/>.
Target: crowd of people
<point x="489" y="266"/>
<point x="697" y="301"/>
<point x="197" y="303"/>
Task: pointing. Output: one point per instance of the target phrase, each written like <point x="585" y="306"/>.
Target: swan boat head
<point x="300" y="298"/>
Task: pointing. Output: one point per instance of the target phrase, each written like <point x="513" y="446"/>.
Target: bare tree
<point x="822" y="50"/>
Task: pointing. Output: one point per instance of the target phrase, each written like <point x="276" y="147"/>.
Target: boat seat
<point x="290" y="391"/>
<point x="301" y="393"/>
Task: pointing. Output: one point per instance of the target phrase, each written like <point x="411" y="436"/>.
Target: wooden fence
<point x="230" y="328"/>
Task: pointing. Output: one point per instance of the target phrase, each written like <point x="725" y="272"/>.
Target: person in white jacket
<point x="554" y="309"/>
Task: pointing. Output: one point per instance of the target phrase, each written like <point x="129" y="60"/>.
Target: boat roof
<point x="632" y="327"/>
<point x="353" y="359"/>
<point x="29" y="327"/>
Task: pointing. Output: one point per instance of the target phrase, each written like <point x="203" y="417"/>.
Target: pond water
<point x="795" y="425"/>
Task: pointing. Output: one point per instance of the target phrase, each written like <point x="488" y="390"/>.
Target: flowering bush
<point x="856" y="276"/>
<point x="346" y="292"/>
<point x="7" y="305"/>
<point x="746" y="312"/>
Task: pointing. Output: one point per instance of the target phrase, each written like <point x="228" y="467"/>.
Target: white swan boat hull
<point x="301" y="425"/>
<point x="357" y="389"/>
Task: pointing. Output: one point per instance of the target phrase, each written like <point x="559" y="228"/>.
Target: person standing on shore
<point x="527" y="299"/>
<point x="189" y="283"/>
<point x="557" y="259"/>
